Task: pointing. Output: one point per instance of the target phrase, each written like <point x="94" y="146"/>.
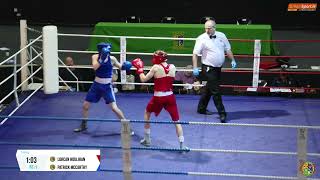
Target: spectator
<point x="67" y="76"/>
<point x="284" y="81"/>
<point x="187" y="78"/>
<point x="115" y="77"/>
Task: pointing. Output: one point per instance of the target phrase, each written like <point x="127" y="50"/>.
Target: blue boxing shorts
<point x="98" y="90"/>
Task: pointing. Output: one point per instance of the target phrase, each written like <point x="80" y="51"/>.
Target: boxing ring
<point x="262" y="139"/>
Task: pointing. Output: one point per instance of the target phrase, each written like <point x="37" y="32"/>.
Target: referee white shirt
<point x="212" y="50"/>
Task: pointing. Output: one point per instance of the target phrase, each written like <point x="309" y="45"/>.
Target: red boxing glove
<point x="138" y="63"/>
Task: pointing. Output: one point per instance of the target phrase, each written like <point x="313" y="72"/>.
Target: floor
<point x="241" y="109"/>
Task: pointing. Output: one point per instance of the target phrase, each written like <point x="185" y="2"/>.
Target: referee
<point x="212" y="45"/>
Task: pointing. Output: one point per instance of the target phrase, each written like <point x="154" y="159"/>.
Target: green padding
<point x="262" y="32"/>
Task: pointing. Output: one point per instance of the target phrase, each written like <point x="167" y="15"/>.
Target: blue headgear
<point x="104" y="45"/>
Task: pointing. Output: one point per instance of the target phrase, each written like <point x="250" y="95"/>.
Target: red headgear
<point x="159" y="57"/>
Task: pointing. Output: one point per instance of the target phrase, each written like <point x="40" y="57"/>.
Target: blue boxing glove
<point x="126" y="66"/>
<point x="233" y="63"/>
<point x="104" y="55"/>
<point x="196" y="71"/>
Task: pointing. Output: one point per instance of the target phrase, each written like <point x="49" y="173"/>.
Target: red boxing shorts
<point x="167" y="102"/>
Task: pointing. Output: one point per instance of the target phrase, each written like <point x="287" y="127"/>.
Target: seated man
<point x="284" y="81"/>
<point x="115" y="78"/>
<point x="66" y="75"/>
<point x="187" y="78"/>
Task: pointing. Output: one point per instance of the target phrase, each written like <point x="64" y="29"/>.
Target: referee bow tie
<point x="212" y="36"/>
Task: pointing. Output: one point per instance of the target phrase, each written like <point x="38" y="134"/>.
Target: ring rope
<point x="18" y="70"/>
<point x="128" y="37"/>
<point x="190" y="55"/>
<point x="10" y="93"/>
<point x="164" y="122"/>
<point x="227" y="70"/>
<point x="192" y="173"/>
<point x="244" y="175"/>
<point x="271" y="72"/>
<point x="38" y="47"/>
<point x="278" y="40"/>
<point x="22" y="49"/>
<point x="172" y="38"/>
<point x="22" y="103"/>
<point x="200" y="85"/>
<point x="266" y="87"/>
<point x="34" y="30"/>
<point x="162" y="149"/>
<point x="9" y="167"/>
<point x="252" y="56"/>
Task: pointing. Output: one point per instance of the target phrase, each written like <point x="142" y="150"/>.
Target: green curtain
<point x="262" y="32"/>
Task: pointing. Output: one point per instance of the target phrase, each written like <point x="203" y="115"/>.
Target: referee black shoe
<point x="205" y="112"/>
<point x="223" y="118"/>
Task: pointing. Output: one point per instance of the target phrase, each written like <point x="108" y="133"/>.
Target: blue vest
<point x="105" y="70"/>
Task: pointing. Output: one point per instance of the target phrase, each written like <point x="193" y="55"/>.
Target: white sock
<point x="147" y="134"/>
<point x="181" y="139"/>
<point x="147" y="131"/>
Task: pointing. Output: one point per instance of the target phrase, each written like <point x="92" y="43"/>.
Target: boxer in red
<point x="163" y="74"/>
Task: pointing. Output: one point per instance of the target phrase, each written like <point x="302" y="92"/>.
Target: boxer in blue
<point x="102" y="64"/>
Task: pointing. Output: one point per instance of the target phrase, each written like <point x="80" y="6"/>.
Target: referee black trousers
<point x="212" y="88"/>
